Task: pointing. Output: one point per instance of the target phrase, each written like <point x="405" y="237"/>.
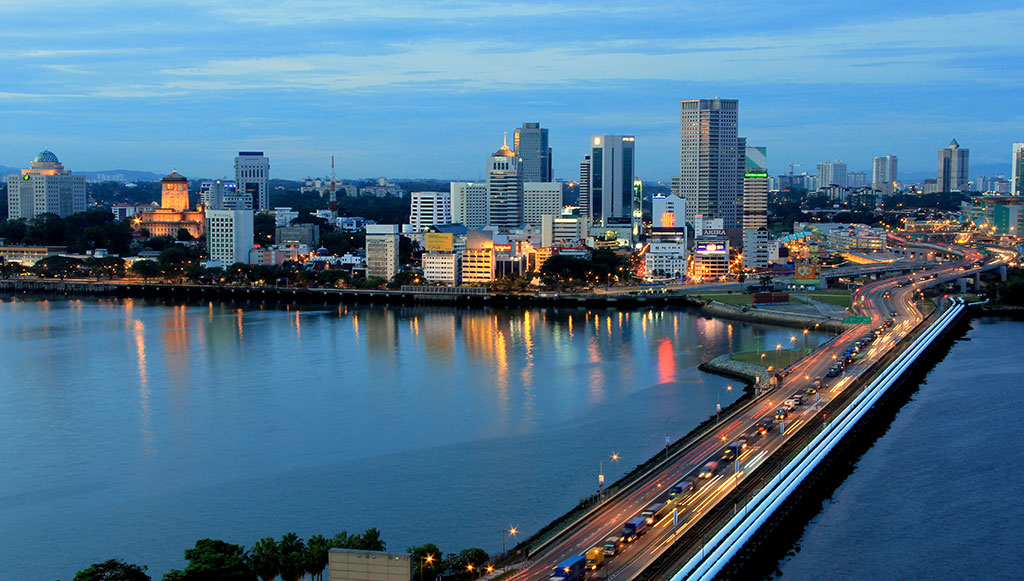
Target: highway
<point x="882" y="300"/>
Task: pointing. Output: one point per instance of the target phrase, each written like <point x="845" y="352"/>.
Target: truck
<point x="571" y="569"/>
<point x="611" y="546"/>
<point x="595" y="556"/>
<point x="633" y="529"/>
<point x="733" y="451"/>
<point x="681" y="488"/>
<point x="653" y="512"/>
<point x="708" y="470"/>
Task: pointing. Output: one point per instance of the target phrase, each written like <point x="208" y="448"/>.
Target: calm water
<point x="132" y="429"/>
<point x="939" y="496"/>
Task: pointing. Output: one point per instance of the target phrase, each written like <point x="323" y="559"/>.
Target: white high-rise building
<point x="252" y="178"/>
<point x="1017" y="175"/>
<point x="429" y="209"/>
<point x="531" y="145"/>
<point x="831" y="173"/>
<point x="584" y="189"/>
<point x="45" y="188"/>
<point x="667" y="255"/>
<point x="883" y="174"/>
<point x="469" y="204"/>
<point x="755" y="188"/>
<point x="856" y="179"/>
<point x="711" y="160"/>
<point x="756" y="249"/>
<point x="612" y="168"/>
<point x="229" y="235"/>
<point x="504" y="190"/>
<point x="381" y="251"/>
<point x="541" y="199"/>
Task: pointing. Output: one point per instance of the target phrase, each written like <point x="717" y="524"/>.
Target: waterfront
<point x="938" y="495"/>
<point x="132" y="429"/>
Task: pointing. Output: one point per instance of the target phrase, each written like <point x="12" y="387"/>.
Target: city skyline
<point x="190" y="96"/>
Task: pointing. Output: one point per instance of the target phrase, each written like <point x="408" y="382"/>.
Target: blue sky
<point x="425" y="89"/>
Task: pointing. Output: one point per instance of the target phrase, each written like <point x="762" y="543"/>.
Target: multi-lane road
<point x="890" y="304"/>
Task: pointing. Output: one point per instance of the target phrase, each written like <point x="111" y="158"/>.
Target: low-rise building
<point x="29" y="255"/>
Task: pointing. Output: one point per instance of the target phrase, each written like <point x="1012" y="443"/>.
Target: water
<point x="939" y="495"/>
<point x="131" y="430"/>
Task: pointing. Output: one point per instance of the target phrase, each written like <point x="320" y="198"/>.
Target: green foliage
<point x="428" y="561"/>
<point x="59" y="267"/>
<point x="147" y="269"/>
<point x="317" y="549"/>
<point x="342" y="243"/>
<point x="113" y="570"/>
<point x="213" y="560"/>
<point x="292" y="557"/>
<point x="264" y="558"/>
<point x="512" y="283"/>
<point x="1010" y="292"/>
<point x="263" y="226"/>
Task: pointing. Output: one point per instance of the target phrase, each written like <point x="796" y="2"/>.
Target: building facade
<point x="381" y="251"/>
<point x="953" y="169"/>
<point x="755" y="188"/>
<point x="583" y="200"/>
<point x="45" y="188"/>
<point x="469" y="204"/>
<point x="884" y="175"/>
<point x="229" y="235"/>
<point x="541" y="199"/>
<point x="711" y="159"/>
<point x="504" y="189"/>
<point x="252" y="178"/>
<point x="1017" y="175"/>
<point x="756" y="249"/>
<point x="531" y="145"/>
<point x="429" y="209"/>
<point x="832" y="173"/>
<point x="612" y="167"/>
<point x="173" y="214"/>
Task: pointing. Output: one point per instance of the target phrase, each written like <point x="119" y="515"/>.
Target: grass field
<point x="785" y="357"/>
<point x="735" y="299"/>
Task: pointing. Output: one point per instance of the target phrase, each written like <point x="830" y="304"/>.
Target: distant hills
<point x="116" y="175"/>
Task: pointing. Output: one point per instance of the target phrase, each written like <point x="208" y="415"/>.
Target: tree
<point x="113" y="570"/>
<point x="341" y="541"/>
<point x="370" y="541"/>
<point x="213" y="560"/>
<point x="292" y="557"/>
<point x="108" y="266"/>
<point x="184" y="235"/>
<point x="427" y="561"/>
<point x="317" y="550"/>
<point x="147" y="269"/>
<point x="57" y="266"/>
<point x="264" y="558"/>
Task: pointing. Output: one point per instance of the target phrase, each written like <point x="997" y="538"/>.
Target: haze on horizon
<point x="426" y="89"/>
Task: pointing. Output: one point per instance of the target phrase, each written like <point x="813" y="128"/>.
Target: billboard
<point x="507" y="248"/>
<point x="711" y="247"/>
<point x="439" y="242"/>
<point x="807" y="274"/>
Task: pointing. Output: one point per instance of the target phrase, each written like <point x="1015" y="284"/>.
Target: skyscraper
<point x="584" y="190"/>
<point x="755" y="188"/>
<point x="531" y="145"/>
<point x="710" y="161"/>
<point x="831" y="173"/>
<point x="45" y="188"/>
<point x="504" y="189"/>
<point x="612" y="165"/>
<point x="883" y="174"/>
<point x="1017" y="175"/>
<point x="952" y="170"/>
<point x="541" y="199"/>
<point x="469" y="204"/>
<point x="252" y="178"/>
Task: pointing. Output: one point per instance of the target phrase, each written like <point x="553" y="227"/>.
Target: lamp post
<point x="428" y="560"/>
<point x="805" y="340"/>
<point x="778" y="347"/>
<point x="504" y="535"/>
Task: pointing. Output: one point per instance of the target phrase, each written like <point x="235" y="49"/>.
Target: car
<point x="764" y="425"/>
<point x="781" y="414"/>
<point x="894" y="314"/>
<point x="834" y="371"/>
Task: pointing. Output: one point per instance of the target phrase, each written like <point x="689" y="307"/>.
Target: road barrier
<point x="717" y="552"/>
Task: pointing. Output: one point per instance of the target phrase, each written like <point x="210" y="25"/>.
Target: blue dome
<point x="46" y="156"/>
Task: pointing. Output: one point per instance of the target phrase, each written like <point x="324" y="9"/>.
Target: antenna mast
<point x="334" y="196"/>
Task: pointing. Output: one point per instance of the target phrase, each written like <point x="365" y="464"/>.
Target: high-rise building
<point x="504" y="189"/>
<point x="831" y="173"/>
<point x="469" y="204"/>
<point x="429" y="209"/>
<point x="45" y="188"/>
<point x="883" y="174"/>
<point x="229" y="235"/>
<point x="856" y="179"/>
<point x="584" y="191"/>
<point x="252" y="178"/>
<point x="541" y="199"/>
<point x="1017" y="175"/>
<point x="755" y="188"/>
<point x="710" y="159"/>
<point x="953" y="167"/>
<point x="381" y="251"/>
<point x="212" y="194"/>
<point x="612" y="166"/>
<point x="531" y="145"/>
<point x="756" y="250"/>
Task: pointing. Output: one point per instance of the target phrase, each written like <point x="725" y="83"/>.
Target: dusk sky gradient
<point x="425" y="89"/>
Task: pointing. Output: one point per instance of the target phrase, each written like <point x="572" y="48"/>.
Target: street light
<point x="429" y="560"/>
<point x="778" y="347"/>
<point x="505" y="533"/>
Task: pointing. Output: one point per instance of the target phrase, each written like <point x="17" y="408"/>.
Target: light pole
<point x="504" y="535"/>
<point x="428" y="560"/>
<point x="778" y="347"/>
<point x="805" y="340"/>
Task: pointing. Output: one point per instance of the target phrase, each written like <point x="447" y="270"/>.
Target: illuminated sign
<point x="503" y="248"/>
<point x="711" y="248"/>
<point x="719" y="233"/>
<point x="668" y="219"/>
<point x="439" y="242"/>
<point x="807" y="274"/>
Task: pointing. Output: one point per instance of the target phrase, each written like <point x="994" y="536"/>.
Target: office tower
<point x="710" y="160"/>
<point x="612" y="165"/>
<point x="856" y="179"/>
<point x="952" y="171"/>
<point x="541" y="199"/>
<point x="531" y="145"/>
<point x="584" y="191"/>
<point x="883" y="174"/>
<point x="429" y="208"/>
<point x="831" y="173"/>
<point x="504" y="190"/>
<point x="756" y="249"/>
<point x="1017" y="175"/>
<point x="213" y="194"/>
<point x="666" y="256"/>
<point x="381" y="251"/>
<point x="755" y="188"/>
<point x="637" y="215"/>
<point x="45" y="188"/>
<point x="229" y="235"/>
<point x="252" y="178"/>
<point x="469" y="204"/>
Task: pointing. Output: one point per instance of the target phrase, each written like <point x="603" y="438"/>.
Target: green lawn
<point x="735" y="299"/>
<point x="785" y="357"/>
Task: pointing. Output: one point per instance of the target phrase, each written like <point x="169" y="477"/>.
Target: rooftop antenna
<point x="334" y="197"/>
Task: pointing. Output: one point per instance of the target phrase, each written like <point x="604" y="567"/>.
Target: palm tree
<point x="371" y="541"/>
<point x="317" y="549"/>
<point x="265" y="558"/>
<point x="293" y="557"/>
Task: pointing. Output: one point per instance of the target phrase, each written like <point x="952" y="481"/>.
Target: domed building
<point x="45" y="188"/>
<point x="174" y="213"/>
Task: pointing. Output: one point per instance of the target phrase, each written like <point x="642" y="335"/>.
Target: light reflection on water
<point x="133" y="429"/>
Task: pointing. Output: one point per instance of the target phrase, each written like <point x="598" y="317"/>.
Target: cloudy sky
<point x="426" y="88"/>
